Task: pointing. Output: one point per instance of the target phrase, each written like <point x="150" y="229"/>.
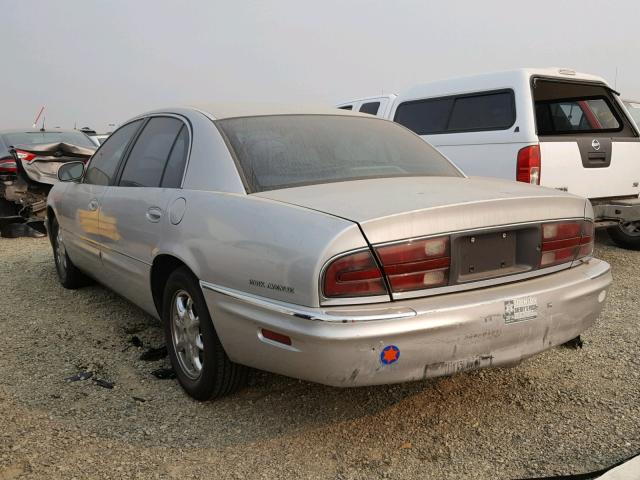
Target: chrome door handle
<point x="153" y="214"/>
<point x="93" y="205"/>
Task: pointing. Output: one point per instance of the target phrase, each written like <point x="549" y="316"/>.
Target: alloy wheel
<point x="186" y="335"/>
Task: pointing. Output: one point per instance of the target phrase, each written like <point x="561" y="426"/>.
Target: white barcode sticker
<point x="520" y="309"/>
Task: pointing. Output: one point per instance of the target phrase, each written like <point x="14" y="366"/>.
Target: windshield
<point x="40" y="138"/>
<point x="283" y="151"/>
<point x="634" y="110"/>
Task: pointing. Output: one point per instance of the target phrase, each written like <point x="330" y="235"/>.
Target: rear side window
<point x="461" y="113"/>
<point x="104" y="164"/>
<point x="149" y="155"/>
<point x="482" y="112"/>
<point x="172" y="177"/>
<point x="370" y="108"/>
<point x="425" y="116"/>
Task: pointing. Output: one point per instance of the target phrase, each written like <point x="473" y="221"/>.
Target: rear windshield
<point x="290" y="150"/>
<point x="40" y="138"/>
<point x="565" y="108"/>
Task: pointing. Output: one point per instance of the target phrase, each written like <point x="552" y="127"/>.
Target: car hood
<point x="396" y="208"/>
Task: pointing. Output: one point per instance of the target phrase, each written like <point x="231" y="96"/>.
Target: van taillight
<point x="416" y="264"/>
<point x="528" y="167"/>
<point x="564" y="242"/>
<point x="353" y="275"/>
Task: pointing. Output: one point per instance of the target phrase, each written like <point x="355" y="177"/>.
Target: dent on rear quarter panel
<point x="259" y="246"/>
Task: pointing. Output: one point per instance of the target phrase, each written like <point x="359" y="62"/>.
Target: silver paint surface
<point x="239" y="245"/>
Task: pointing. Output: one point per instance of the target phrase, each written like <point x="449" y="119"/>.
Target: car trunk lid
<point x="392" y="209"/>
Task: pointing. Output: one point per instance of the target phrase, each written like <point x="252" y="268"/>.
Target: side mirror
<point x="71" y="171"/>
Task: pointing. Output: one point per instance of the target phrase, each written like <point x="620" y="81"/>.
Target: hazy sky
<point x="99" y="62"/>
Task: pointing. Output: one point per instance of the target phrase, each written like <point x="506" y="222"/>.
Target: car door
<point x="78" y="214"/>
<point x="137" y="204"/>
<point x="588" y="146"/>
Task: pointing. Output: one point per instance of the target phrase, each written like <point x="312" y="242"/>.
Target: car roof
<point x="219" y="111"/>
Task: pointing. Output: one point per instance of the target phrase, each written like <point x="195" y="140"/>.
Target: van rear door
<point x="588" y="145"/>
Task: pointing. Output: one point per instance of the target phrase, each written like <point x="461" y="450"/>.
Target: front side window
<point x="104" y="163"/>
<point x="463" y="113"/>
<point x="148" y="157"/>
<point x="370" y="108"/>
<point x="282" y="151"/>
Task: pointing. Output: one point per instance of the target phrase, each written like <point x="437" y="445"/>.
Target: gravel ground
<point x="563" y="411"/>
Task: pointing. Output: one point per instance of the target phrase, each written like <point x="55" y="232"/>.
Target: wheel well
<point x="49" y="221"/>
<point x="163" y="266"/>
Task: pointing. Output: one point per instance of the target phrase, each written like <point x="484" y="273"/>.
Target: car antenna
<point x="35" y="122"/>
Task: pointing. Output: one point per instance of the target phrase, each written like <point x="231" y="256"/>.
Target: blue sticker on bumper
<point x="389" y="354"/>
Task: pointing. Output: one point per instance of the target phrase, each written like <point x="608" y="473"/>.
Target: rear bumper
<point x="344" y="346"/>
<point x="623" y="210"/>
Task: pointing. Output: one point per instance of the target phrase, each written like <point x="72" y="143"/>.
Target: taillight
<point x="25" y="156"/>
<point x="353" y="275"/>
<point x="416" y="264"/>
<point x="586" y="241"/>
<point x="8" y="165"/>
<point x="528" y="167"/>
<point x="564" y="242"/>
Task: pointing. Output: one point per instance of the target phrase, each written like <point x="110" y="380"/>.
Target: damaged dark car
<point x="29" y="162"/>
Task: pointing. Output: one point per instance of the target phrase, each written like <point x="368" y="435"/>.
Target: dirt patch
<point x="567" y="410"/>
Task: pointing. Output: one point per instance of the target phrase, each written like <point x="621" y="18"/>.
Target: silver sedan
<point x="323" y="245"/>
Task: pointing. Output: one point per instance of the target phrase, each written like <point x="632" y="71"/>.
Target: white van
<point x="379" y="106"/>
<point x="551" y="127"/>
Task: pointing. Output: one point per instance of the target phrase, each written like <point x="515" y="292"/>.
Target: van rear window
<point x="569" y="108"/>
<point x="461" y="113"/>
<point x="578" y="115"/>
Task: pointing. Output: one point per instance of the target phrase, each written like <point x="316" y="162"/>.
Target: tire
<point x="202" y="366"/>
<point x="626" y="235"/>
<point x="69" y="275"/>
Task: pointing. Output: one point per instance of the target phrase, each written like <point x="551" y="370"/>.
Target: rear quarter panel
<point x="258" y="246"/>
